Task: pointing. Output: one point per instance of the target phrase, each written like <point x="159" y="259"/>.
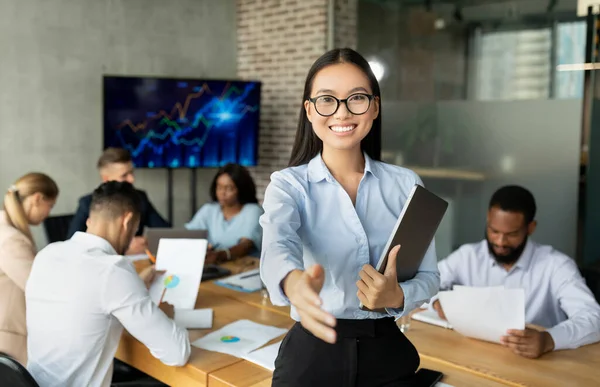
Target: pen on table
<point x="250" y="275"/>
<point x="150" y="256"/>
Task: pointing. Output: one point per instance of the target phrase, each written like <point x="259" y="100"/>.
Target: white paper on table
<point x="484" y="313"/>
<point x="194" y="319"/>
<point x="184" y="259"/>
<point x="265" y="357"/>
<point x="440" y="384"/>
<point x="431" y="317"/>
<point x="248" y="281"/>
<point x="239" y="338"/>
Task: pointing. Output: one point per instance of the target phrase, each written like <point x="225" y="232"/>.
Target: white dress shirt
<point x="79" y="296"/>
<point x="556" y="296"/>
<point x="309" y="218"/>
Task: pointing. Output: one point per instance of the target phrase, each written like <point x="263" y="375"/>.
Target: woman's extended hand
<point x="378" y="291"/>
<point x="302" y="288"/>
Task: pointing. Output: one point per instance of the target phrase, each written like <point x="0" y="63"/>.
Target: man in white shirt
<point x="82" y="292"/>
<point x="556" y="296"/>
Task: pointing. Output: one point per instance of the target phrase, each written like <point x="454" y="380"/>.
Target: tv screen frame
<point x="224" y="111"/>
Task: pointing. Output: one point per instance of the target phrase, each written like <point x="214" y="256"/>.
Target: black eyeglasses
<point x="357" y="104"/>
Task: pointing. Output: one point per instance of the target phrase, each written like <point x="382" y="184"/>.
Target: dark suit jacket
<point x="149" y="217"/>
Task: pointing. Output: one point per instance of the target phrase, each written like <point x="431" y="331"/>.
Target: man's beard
<point x="513" y="255"/>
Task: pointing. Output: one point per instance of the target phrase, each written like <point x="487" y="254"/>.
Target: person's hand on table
<point x="214" y="256"/>
<point x="378" y="291"/>
<point x="437" y="306"/>
<point x="211" y="257"/>
<point x="167" y="309"/>
<point x="529" y="343"/>
<point x="137" y="246"/>
<point x="302" y="288"/>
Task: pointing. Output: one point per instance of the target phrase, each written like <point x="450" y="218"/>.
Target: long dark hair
<point x="242" y="180"/>
<point x="307" y="145"/>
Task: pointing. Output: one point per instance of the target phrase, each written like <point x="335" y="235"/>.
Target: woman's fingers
<point x="317" y="328"/>
<point x="312" y="317"/>
<point x="305" y="303"/>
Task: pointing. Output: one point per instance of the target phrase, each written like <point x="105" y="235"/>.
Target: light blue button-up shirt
<point x="224" y="234"/>
<point x="309" y="218"/>
<point x="556" y="296"/>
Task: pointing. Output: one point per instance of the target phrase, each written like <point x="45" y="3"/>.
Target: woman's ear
<point x="376" y="106"/>
<point x="37" y="198"/>
<point x="308" y="109"/>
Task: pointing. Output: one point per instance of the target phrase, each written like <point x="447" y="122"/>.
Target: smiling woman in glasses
<point x="326" y="222"/>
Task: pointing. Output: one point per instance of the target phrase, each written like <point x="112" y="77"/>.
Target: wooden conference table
<point x="463" y="361"/>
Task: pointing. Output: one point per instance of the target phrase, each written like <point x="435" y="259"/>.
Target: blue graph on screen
<point x="171" y="123"/>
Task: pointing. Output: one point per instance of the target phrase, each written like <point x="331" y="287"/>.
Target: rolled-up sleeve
<point x="281" y="245"/>
<point x="199" y="221"/>
<point x="578" y="303"/>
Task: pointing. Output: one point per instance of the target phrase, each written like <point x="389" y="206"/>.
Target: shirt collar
<point x="524" y="260"/>
<point x="318" y="171"/>
<point x="92" y="241"/>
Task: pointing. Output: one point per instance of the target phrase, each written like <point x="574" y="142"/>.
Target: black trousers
<point x="368" y="353"/>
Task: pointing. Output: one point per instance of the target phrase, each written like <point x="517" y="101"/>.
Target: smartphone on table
<point x="427" y="378"/>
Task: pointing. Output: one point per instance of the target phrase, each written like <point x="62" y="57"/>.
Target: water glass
<point x="404" y="323"/>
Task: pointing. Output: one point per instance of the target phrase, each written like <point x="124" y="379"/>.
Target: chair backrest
<point x="57" y="227"/>
<point x="591" y="275"/>
<point x="13" y="374"/>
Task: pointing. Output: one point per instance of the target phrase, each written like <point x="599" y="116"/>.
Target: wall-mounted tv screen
<point x="182" y="123"/>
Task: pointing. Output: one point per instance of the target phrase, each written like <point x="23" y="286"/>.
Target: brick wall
<point x="345" y="27"/>
<point x="278" y="40"/>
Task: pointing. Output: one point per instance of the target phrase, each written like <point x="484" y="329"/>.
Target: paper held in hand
<point x="183" y="262"/>
<point x="484" y="313"/>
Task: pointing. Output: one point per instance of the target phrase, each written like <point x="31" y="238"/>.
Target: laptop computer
<point x="154" y="235"/>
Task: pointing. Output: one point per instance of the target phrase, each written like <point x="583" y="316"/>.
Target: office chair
<point x="125" y="375"/>
<point x="57" y="227"/>
<point x="591" y="275"/>
<point x="13" y="374"/>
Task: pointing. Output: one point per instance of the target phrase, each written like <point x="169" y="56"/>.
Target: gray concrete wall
<point x="52" y="57"/>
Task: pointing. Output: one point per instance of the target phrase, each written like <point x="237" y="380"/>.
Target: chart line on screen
<point x="178" y="107"/>
<point x="172" y="123"/>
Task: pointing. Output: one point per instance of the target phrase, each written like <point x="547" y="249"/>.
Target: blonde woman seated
<point x="232" y="218"/>
<point x="27" y="202"/>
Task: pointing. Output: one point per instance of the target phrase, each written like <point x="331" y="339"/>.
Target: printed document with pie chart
<point x="239" y="338"/>
<point x="183" y="261"/>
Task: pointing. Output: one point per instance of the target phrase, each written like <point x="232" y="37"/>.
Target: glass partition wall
<point x="474" y="98"/>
